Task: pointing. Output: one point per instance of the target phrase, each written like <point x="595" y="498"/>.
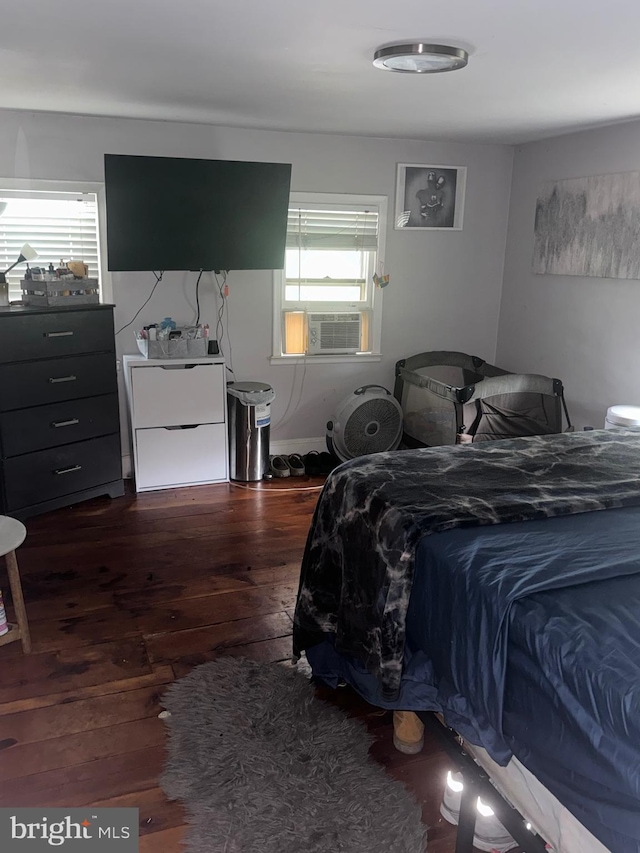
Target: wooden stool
<point x="12" y="535"/>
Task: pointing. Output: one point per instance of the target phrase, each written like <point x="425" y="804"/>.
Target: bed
<point x="498" y="585"/>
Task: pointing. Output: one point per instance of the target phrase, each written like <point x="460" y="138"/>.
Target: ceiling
<point x="537" y="67"/>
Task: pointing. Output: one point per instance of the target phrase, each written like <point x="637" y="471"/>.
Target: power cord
<point x="153" y="289"/>
<point x="220" y="320"/>
<point x="278" y="490"/>
<point x="286" y="417"/>
<point x="228" y="335"/>
<point x="198" y="298"/>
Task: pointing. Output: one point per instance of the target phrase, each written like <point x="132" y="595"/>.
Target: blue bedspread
<point x="527" y="637"/>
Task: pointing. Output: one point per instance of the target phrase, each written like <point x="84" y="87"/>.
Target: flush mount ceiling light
<point x="420" y="58"/>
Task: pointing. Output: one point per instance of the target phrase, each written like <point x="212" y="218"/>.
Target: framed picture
<point x="429" y="198"/>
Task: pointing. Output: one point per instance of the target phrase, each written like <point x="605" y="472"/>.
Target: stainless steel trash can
<point x="249" y="405"/>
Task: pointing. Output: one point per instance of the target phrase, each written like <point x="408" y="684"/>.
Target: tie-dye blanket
<point x="358" y="564"/>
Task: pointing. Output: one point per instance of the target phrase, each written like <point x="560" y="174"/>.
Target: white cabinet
<point x="177" y="410"/>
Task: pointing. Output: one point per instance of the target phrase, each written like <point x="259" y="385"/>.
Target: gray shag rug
<point x="263" y="766"/>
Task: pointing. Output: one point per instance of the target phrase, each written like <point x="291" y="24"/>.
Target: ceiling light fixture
<point x="420" y="58"/>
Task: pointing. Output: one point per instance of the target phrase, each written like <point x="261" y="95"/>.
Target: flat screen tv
<point x="170" y="213"/>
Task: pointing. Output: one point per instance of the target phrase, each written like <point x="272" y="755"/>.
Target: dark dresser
<point x="59" y="418"/>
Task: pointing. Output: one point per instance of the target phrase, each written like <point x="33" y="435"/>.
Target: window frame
<point x="53" y="186"/>
<point x="374" y="306"/>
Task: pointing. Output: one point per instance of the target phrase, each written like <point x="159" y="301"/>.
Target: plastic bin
<point x="623" y="417"/>
<point x="249" y="405"/>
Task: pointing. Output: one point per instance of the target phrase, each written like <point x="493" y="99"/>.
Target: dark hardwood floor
<point x="123" y="597"/>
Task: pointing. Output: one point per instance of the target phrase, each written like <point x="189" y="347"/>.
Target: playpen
<point x="452" y="397"/>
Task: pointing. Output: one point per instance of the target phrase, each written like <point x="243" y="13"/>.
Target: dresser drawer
<point x="49" y="474"/>
<point x="180" y="457"/>
<point x="36" y="383"/>
<point x="173" y="395"/>
<point x="26" y="430"/>
<point x="50" y="335"/>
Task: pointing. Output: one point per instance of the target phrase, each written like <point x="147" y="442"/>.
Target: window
<point x="325" y="300"/>
<point x="58" y="225"/>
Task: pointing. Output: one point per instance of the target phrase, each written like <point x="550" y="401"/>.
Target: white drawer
<point x="180" y="457"/>
<point x="172" y="395"/>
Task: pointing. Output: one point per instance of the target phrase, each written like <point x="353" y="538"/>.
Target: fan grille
<point x="372" y="428"/>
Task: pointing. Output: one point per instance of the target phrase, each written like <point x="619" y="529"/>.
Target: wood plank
<point x="107" y="623"/>
<point x="176" y="645"/>
<point x="214" y="609"/>
<point x="133" y="545"/>
<point x="152" y="617"/>
<point x="160" y="675"/>
<point x="202" y="520"/>
<point x="167" y="841"/>
<point x="61" y="595"/>
<point x="157" y="813"/>
<point x="78" y="716"/>
<point x="268" y="651"/>
<point x="39" y="674"/>
<point x="167" y="503"/>
<point x="287" y="573"/>
<point x="81" y="784"/>
<point x="30" y="758"/>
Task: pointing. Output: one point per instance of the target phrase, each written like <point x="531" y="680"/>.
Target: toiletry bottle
<point x="4" y="627"/>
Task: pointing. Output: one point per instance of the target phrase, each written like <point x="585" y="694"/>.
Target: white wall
<point x="445" y="287"/>
<point x="582" y="330"/>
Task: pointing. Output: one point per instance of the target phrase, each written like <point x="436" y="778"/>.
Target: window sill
<point x="324" y="359"/>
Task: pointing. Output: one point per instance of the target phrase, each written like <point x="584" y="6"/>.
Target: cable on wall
<point x="222" y="327"/>
<point x="198" y="298"/>
<point x="286" y="417"/>
<point x="153" y="289"/>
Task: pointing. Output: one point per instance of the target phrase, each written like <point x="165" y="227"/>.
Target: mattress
<point x="554" y="677"/>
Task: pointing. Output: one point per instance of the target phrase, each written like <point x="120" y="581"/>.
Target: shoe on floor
<point x="327" y="462"/>
<point x="279" y="466"/>
<point x="312" y="463"/>
<point x="489" y="833"/>
<point x="408" y="732"/>
<point x="296" y="465"/>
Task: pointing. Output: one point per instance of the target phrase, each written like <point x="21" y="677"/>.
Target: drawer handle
<point x="67" y="470"/>
<point x="62" y="379"/>
<point x="72" y="422"/>
<point x="58" y="334"/>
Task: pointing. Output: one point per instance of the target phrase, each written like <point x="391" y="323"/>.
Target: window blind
<point x="57" y="225"/>
<point x="332" y="228"/>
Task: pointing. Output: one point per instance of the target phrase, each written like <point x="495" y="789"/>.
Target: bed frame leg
<point x="467" y="819"/>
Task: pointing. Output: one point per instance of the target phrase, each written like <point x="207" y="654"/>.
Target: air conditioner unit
<point x="333" y="334"/>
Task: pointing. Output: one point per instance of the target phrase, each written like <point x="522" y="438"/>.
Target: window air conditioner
<point x="333" y="334"/>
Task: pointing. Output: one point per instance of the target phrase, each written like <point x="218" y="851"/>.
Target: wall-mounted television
<point x="171" y="213"/>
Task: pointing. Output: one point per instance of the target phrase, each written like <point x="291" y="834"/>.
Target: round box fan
<point x="367" y="421"/>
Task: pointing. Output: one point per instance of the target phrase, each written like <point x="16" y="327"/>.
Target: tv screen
<point x="170" y="213"/>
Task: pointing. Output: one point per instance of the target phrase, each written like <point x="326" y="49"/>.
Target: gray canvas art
<point x="589" y="227"/>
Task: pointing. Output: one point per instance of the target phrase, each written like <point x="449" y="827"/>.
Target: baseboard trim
<point x="297" y="445"/>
